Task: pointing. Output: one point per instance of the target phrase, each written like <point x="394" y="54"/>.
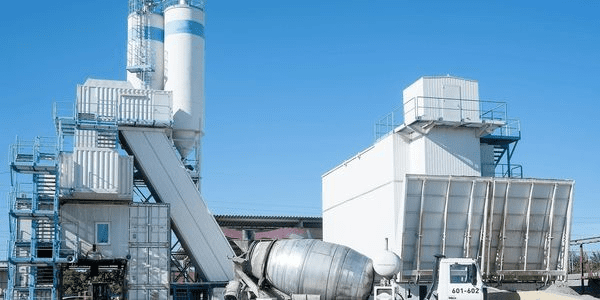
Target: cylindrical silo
<point x="145" y="45"/>
<point x="184" y="70"/>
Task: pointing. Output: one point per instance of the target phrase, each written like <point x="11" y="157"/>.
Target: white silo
<point x="145" y="45"/>
<point x="184" y="70"/>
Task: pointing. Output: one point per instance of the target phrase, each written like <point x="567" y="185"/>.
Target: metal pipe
<point x="467" y="244"/>
<point x="420" y="231"/>
<point x="483" y="236"/>
<point x="550" y="227"/>
<point x="567" y="232"/>
<point x="581" y="264"/>
<point x="444" y="232"/>
<point x="527" y="222"/>
<point x="493" y="200"/>
<point x="503" y="230"/>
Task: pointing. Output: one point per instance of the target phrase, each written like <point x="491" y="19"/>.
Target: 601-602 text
<point x="465" y="291"/>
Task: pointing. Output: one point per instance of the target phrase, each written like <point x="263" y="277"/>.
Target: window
<point x="462" y="273"/>
<point x="102" y="233"/>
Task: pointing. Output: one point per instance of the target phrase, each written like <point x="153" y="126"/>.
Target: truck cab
<point x="459" y="279"/>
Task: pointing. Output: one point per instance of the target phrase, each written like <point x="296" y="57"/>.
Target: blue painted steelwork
<point x="505" y="140"/>
<point x="36" y="251"/>
<point x="34" y="248"/>
<point x="198" y="290"/>
<point x="184" y="26"/>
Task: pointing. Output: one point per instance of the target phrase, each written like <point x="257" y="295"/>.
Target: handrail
<point x="468" y="110"/>
<point x="41" y="148"/>
<point x="63" y="109"/>
<point x="483" y="109"/>
<point x="506" y="170"/>
<point x="511" y="128"/>
<point x="116" y="111"/>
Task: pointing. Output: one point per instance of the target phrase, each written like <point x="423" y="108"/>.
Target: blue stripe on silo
<point x="155" y="34"/>
<point x="184" y="26"/>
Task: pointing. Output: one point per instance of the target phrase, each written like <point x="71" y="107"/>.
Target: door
<point x="452" y="103"/>
<point x="461" y="282"/>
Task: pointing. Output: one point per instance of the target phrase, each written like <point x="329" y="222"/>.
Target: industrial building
<point x="93" y="210"/>
<point x="439" y="180"/>
<point x="103" y="197"/>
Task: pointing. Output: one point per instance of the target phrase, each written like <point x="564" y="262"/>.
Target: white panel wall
<point x="404" y="159"/>
<point x="82" y="219"/>
<point x="413" y="107"/>
<point x="106" y="100"/>
<point x="357" y="211"/>
<point x="442" y="98"/>
<point x="100" y="174"/>
<point x="363" y="222"/>
<point x="487" y="160"/>
<point x="346" y="181"/>
<point x="449" y="151"/>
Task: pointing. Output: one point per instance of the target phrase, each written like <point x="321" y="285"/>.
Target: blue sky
<point x="293" y="88"/>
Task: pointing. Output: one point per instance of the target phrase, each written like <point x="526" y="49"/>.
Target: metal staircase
<point x="34" y="227"/>
<point x="505" y="140"/>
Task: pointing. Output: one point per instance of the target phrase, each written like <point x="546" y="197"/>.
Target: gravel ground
<point x="556" y="291"/>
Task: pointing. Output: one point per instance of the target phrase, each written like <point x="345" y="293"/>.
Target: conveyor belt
<point x="193" y="223"/>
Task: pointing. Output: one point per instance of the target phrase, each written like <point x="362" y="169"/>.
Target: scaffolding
<point x="35" y="246"/>
<point x="140" y="54"/>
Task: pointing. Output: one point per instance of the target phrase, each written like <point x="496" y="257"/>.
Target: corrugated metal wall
<point x="442" y="98"/>
<point x="124" y="105"/>
<point x="449" y="151"/>
<point x="100" y="174"/>
<point x="513" y="227"/>
<point x="149" y="248"/>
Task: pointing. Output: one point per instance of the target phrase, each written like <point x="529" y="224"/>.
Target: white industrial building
<point x="123" y="172"/>
<point x="428" y="185"/>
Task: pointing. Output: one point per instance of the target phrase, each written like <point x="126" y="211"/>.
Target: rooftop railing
<point x="511" y="128"/>
<point x="40" y="150"/>
<point x="443" y="109"/>
<point x="136" y="109"/>
<point x="506" y="170"/>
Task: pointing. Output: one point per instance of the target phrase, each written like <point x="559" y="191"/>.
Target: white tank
<point x="145" y="50"/>
<point x="184" y="71"/>
<point x="385" y="262"/>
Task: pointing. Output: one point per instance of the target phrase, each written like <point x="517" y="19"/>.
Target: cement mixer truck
<point x="307" y="269"/>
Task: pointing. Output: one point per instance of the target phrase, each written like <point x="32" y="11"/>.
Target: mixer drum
<point x="307" y="266"/>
